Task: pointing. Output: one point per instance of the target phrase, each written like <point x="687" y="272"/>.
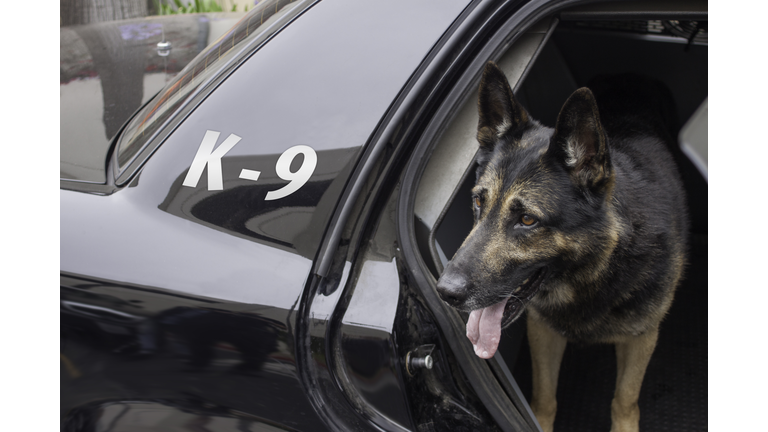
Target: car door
<point x="371" y="294"/>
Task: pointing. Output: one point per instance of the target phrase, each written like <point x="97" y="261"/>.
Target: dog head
<point x="538" y="193"/>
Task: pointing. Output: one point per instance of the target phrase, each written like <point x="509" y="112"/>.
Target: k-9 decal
<point x="208" y="157"/>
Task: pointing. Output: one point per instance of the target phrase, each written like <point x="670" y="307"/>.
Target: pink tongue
<point x="484" y="329"/>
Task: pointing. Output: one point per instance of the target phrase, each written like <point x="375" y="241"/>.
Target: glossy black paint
<point x="127" y="343"/>
<point x="190" y="308"/>
<point x="182" y="297"/>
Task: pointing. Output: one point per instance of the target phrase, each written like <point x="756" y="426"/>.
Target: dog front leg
<point x="547" y="349"/>
<point x="632" y="357"/>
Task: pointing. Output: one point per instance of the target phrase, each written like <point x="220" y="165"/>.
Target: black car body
<point x="256" y="247"/>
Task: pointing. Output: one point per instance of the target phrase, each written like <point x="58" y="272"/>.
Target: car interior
<point x="544" y="66"/>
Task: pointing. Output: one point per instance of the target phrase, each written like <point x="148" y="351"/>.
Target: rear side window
<point x="144" y="132"/>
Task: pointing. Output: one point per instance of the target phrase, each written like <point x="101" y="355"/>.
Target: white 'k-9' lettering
<point x="206" y="156"/>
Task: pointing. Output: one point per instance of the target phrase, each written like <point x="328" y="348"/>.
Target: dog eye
<point x="527" y="220"/>
<point x="478" y="203"/>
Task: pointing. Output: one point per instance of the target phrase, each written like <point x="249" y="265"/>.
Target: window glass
<point x="260" y="23"/>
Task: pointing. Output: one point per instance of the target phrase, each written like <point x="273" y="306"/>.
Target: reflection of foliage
<point x="196" y="6"/>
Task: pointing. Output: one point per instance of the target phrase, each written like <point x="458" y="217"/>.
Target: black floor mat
<point x="674" y="392"/>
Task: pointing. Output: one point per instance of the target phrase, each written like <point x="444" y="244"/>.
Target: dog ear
<point x="579" y="141"/>
<point x="496" y="105"/>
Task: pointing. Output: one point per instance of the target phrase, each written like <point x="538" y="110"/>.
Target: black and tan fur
<point x="608" y="245"/>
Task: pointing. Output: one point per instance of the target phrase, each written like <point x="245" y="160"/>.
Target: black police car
<point x="255" y="246"/>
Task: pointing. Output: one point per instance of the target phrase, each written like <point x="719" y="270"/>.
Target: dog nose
<point x="452" y="289"/>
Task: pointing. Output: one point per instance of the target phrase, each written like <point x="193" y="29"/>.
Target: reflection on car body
<point x="197" y="298"/>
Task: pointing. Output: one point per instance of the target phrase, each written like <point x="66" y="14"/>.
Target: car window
<point x="254" y="28"/>
<point x="109" y="70"/>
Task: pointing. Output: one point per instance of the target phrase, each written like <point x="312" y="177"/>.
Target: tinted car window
<point x="259" y="24"/>
<point x="108" y="70"/>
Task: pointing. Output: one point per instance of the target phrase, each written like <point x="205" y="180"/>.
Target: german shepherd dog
<point x="584" y="225"/>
